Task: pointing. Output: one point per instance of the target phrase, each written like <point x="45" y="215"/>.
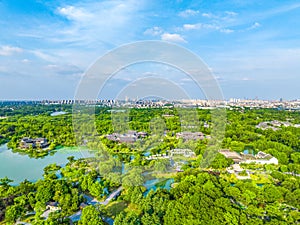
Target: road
<point x="76" y="216"/>
<point x="94" y="201"/>
<point x="112" y="196"/>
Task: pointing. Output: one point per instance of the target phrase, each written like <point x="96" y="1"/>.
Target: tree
<point x="90" y="215"/>
<point x="161" y="165"/>
<point x="130" y="218"/>
<point x="44" y="192"/>
<point x="96" y="189"/>
<point x="133" y="178"/>
<point x="12" y="213"/>
<point x="5" y="181"/>
<point x="272" y="194"/>
<point x="220" y="161"/>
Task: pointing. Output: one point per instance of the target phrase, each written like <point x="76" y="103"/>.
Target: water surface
<point x="20" y="167"/>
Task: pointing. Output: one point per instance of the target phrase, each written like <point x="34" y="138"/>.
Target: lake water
<point x="19" y="167"/>
<point x="158" y="183"/>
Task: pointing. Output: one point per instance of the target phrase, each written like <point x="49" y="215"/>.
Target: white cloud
<point x="224" y="17"/>
<point x="226" y="31"/>
<point x="207" y="26"/>
<point x="74" y="13"/>
<point x="99" y="22"/>
<point x="154" y="31"/>
<point x="254" y="26"/>
<point x="246" y="79"/>
<point x="94" y="28"/>
<point x="188" y="13"/>
<point x="191" y="26"/>
<point x="9" y="50"/>
<point x="44" y="56"/>
<point x="259" y="64"/>
<point x="52" y="66"/>
<point x="230" y="13"/>
<point x="209" y="15"/>
<point x="283" y="9"/>
<point x="63" y="69"/>
<point x="172" y="37"/>
<point x="211" y="26"/>
<point x="25" y="61"/>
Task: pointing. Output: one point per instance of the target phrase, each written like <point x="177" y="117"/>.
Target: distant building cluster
<point x="132" y="136"/>
<point x="51" y="207"/>
<point x="187" y="153"/>
<point x="27" y="143"/>
<point x="257" y="103"/>
<point x="275" y="125"/>
<point x="129" y="137"/>
<point x="237" y="170"/>
<point x="188" y="103"/>
<point x="259" y="158"/>
<point x="107" y="102"/>
<point x="246" y="158"/>
<point x="236" y="157"/>
<point x="186" y="135"/>
<point x="158" y="156"/>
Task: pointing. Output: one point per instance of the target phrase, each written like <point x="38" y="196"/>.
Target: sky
<point x="252" y="47"/>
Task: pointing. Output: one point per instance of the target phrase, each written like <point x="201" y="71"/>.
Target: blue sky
<point x="252" y="47"/>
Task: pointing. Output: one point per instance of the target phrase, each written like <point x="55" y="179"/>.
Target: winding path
<point x="76" y="216"/>
<point x="112" y="196"/>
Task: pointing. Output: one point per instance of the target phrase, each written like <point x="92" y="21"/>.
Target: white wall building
<point x="272" y="160"/>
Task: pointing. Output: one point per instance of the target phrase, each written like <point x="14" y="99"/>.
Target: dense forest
<point x="198" y="195"/>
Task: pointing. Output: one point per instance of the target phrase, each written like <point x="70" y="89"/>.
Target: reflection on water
<point x="158" y="183"/>
<point x="19" y="167"/>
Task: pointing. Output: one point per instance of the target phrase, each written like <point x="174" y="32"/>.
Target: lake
<point x="158" y="183"/>
<point x="20" y="167"/>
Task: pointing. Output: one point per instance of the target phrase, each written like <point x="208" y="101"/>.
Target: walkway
<point x="112" y="196"/>
<point x="76" y="216"/>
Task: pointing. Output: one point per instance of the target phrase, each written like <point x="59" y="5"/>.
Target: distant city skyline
<point x="252" y="47"/>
